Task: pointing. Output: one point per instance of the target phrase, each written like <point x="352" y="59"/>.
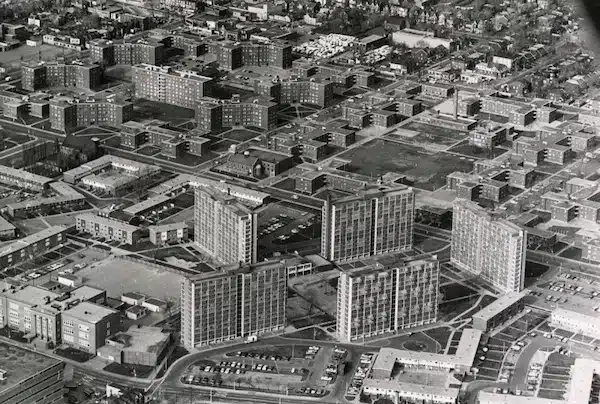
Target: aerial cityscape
<point x="299" y="201"/>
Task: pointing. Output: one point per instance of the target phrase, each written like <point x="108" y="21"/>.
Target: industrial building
<point x="370" y="222"/>
<point x="224" y="228"/>
<point x="234" y="302"/>
<point x="386" y="298"/>
<point x="487" y="245"/>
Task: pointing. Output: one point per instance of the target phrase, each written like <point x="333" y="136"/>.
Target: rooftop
<point x="89" y="312"/>
<point x="31" y="239"/>
<point x="143" y="339"/>
<point x="21" y="364"/>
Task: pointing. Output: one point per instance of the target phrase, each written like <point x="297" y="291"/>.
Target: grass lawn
<point x="148" y="150"/>
<point x="241" y="135"/>
<point x="551" y="394"/>
<point x="145" y="109"/>
<point x="129" y="370"/>
<point x="427" y="170"/>
<point x="573" y="253"/>
<point x="441" y="335"/>
<point x="74" y="354"/>
<point x="310" y="333"/>
<point x="455" y="291"/>
<point x="176" y="252"/>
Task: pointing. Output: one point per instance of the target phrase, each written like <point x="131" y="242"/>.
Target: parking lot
<point x="281" y="224"/>
<point x="556" y="375"/>
<point x="294" y="370"/>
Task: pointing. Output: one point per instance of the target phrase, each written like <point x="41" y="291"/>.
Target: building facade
<point x="223" y="227"/>
<point x="224" y="305"/>
<point x="85" y="326"/>
<point x="386" y="299"/>
<point x="67" y="113"/>
<point x="32" y="246"/>
<point x="213" y="114"/>
<point x="488" y="246"/>
<point x="499" y="311"/>
<point x="109" y="228"/>
<point x="369" y="223"/>
<point x="36" y="76"/>
<point x="127" y="53"/>
<point x="163" y="84"/>
<point x="168" y="233"/>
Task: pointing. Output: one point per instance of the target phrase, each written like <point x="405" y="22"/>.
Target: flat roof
<point x="493" y="398"/>
<point x="147" y="204"/>
<point x="92" y="217"/>
<point x="21" y="364"/>
<point x="168" y="226"/>
<point x="89" y="312"/>
<point x="143" y="339"/>
<point x="583" y="318"/>
<point x="403" y="387"/>
<point x="582" y="376"/>
<point x="465" y="353"/>
<point x="504" y="302"/>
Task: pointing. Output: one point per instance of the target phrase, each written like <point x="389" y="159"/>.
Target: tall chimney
<point x="455" y="103"/>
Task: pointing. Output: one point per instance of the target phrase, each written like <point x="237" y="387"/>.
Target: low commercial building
<point x="86" y="325"/>
<point x="70" y="280"/>
<point x="109" y="228"/>
<point x="145" y="346"/>
<point x="32" y="246"/>
<point x="168" y="233"/>
<point x="133" y="298"/>
<point x="136" y="312"/>
<point x="154" y="305"/>
<point x="496" y="313"/>
<point x="587" y="324"/>
<point x="33" y="378"/>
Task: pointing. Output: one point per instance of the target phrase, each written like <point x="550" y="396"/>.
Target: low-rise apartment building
<point x="168" y="233"/>
<point x="32" y="246"/>
<point x="109" y="228"/>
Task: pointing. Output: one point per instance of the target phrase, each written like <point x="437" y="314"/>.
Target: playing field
<point x="117" y="276"/>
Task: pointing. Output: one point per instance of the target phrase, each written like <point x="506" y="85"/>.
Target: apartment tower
<point x="224" y="227"/>
<point x="380" y="299"/>
<point x="235" y="302"/>
<point x="489" y="246"/>
<point x="371" y="222"/>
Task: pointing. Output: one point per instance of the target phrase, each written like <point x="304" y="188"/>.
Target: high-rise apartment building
<point x="127" y="53"/>
<point x="224" y="227"/>
<point x="489" y="246"/>
<point x="231" y="56"/>
<point x="386" y="298"/>
<point x="38" y="75"/>
<point x="368" y="223"/>
<point x="68" y="113"/>
<point x="307" y="91"/>
<point x="230" y="303"/>
<point x="213" y="114"/>
<point x="164" y="84"/>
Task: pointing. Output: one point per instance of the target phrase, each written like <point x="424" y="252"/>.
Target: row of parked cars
<point x="359" y="376"/>
<point x="262" y="356"/>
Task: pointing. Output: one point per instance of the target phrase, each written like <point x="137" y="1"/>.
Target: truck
<point x="251" y="338"/>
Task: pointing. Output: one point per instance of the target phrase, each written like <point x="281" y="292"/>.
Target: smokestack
<point x="455" y="103"/>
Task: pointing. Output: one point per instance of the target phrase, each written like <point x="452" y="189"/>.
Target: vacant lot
<point x="427" y="170"/>
<point x="241" y="135"/>
<point x="12" y="58"/>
